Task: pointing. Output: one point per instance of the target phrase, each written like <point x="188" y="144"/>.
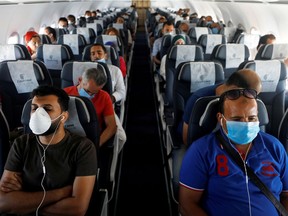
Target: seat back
<point x="230" y="56"/>
<point x="272" y="51"/>
<point x="102" y="23"/>
<point x="189" y="77"/>
<point x="17" y="80"/>
<point x="88" y="33"/>
<point x="228" y="32"/>
<point x="203" y="119"/>
<point x="176" y="55"/>
<point x="13" y="52"/>
<point x="96" y="27"/>
<point x="112" y="55"/>
<point x="74" y="69"/>
<point x="194" y="33"/>
<point x="76" y="42"/>
<point x="45" y="39"/>
<point x="251" y="41"/>
<point x="273" y="75"/>
<point x="209" y="41"/>
<point x="166" y="43"/>
<point x="54" y="56"/>
<point x="103" y="39"/>
<point x="82" y="118"/>
<point x="60" y="31"/>
<point x="4" y="141"/>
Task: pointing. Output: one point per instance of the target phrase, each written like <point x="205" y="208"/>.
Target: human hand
<point x="9" y="184"/>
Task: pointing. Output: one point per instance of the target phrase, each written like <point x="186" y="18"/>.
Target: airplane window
<point x="41" y="31"/>
<point x="230" y="23"/>
<point x="13" y="38"/>
<point x="53" y="25"/>
<point x="253" y="30"/>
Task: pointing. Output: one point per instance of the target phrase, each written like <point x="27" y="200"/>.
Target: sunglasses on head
<point x="236" y="93"/>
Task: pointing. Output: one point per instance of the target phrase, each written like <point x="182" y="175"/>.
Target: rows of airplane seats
<point x="192" y="51"/>
<point x="58" y="55"/>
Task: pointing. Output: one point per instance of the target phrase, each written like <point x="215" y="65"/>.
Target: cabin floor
<point x="142" y="187"/>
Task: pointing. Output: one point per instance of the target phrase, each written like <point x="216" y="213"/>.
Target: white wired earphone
<point x="43" y="159"/>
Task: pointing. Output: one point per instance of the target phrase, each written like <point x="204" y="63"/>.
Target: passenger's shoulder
<point x="77" y="139"/>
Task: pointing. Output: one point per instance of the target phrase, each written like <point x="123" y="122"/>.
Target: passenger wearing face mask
<point x="71" y="23"/>
<point x="51" y="159"/>
<point x="88" y="17"/>
<point x="210" y="179"/>
<point x="168" y="28"/>
<point x="90" y="86"/>
<point x="98" y="53"/>
<point x="215" y="28"/>
<point x="177" y="40"/>
<point x="63" y="24"/>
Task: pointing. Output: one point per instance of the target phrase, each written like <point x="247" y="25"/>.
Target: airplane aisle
<point x="143" y="187"/>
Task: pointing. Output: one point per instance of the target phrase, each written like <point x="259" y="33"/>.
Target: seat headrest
<point x="273" y="51"/>
<point x="82" y="118"/>
<point x="208" y="118"/>
<point x="182" y="53"/>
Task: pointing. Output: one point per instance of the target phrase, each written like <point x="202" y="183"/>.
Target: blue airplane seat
<point x="194" y="33"/>
<point x="103" y="39"/>
<point x="72" y="70"/>
<point x="45" y="39"/>
<point x="54" y="56"/>
<point x="82" y="118"/>
<point x="82" y="121"/>
<point x="167" y="43"/>
<point x="190" y="77"/>
<point x="112" y="54"/>
<point x="209" y="41"/>
<point x="14" y="52"/>
<point x="230" y="56"/>
<point x="203" y="121"/>
<point x="17" y="80"/>
<point x="88" y="33"/>
<point x="203" y="117"/>
<point x="176" y="55"/>
<point x="272" y="51"/>
<point x="273" y="74"/>
<point x="76" y="42"/>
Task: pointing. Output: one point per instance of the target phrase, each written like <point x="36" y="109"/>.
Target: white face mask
<point x="40" y="121"/>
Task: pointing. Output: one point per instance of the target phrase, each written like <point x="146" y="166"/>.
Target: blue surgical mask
<point x="84" y="93"/>
<point x="242" y="132"/>
<point x="214" y="30"/>
<point x="209" y="23"/>
<point x="101" y="60"/>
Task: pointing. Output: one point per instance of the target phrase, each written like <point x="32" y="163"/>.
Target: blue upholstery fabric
<point x="273" y="100"/>
<point x="66" y="55"/>
<point x="12" y="100"/>
<point x="86" y="115"/>
<point x="68" y="72"/>
<point x="111" y="52"/>
<point x="20" y="52"/>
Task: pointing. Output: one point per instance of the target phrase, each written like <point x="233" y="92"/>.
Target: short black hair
<point x="99" y="44"/>
<point x="168" y="23"/>
<point x="63" y="19"/>
<point x="44" y="90"/>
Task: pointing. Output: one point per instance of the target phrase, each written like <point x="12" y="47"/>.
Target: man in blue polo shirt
<point x="244" y="78"/>
<point x="212" y="184"/>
